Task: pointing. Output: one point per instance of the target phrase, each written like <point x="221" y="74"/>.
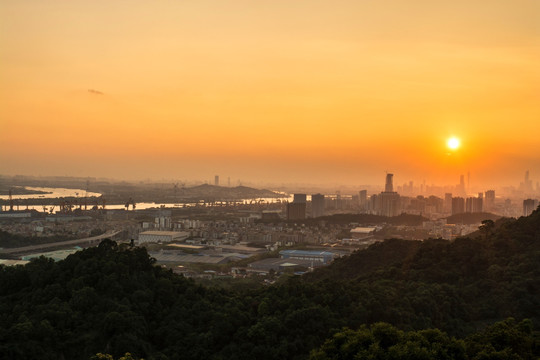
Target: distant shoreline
<point x="21" y="190"/>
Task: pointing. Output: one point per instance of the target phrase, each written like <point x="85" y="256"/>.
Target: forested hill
<point x="460" y="284"/>
<point x="497" y="246"/>
<point x="114" y="300"/>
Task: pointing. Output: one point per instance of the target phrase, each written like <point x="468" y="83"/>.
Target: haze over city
<point x="270" y="179"/>
<point x="310" y="92"/>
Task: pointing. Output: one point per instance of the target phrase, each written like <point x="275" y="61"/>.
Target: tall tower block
<point x="389" y="186"/>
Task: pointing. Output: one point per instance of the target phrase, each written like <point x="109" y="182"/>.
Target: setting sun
<point x="453" y="143"/>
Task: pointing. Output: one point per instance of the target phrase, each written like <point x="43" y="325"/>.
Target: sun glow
<point x="453" y="143"/>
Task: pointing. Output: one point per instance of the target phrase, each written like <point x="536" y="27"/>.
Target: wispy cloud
<point x="95" y="92"/>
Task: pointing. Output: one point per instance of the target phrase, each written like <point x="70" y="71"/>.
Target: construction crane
<point x="130" y="202"/>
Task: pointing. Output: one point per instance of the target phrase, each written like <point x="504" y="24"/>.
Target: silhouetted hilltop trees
<point x="366" y="219"/>
<point x="471" y="218"/>
<point x="503" y="340"/>
<point x="9" y="240"/>
<point x="113" y="300"/>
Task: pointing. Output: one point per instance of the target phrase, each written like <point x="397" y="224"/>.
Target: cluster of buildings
<point x="222" y="235"/>
<point x="239" y="231"/>
<point x="391" y="203"/>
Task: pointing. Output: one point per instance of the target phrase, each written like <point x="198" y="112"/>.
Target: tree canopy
<point x="426" y="299"/>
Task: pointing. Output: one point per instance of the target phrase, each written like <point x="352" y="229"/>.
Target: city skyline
<point x="319" y="93"/>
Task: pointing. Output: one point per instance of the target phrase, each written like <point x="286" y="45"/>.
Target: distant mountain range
<point x="122" y="192"/>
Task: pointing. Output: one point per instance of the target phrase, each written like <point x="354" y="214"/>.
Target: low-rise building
<point x="324" y="257"/>
<point x="162" y="236"/>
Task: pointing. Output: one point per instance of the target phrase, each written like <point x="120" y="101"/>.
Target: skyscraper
<point x="216" y="180"/>
<point x="473" y="205"/>
<point x="458" y="205"/>
<point x="527" y="185"/>
<point x="300" y="198"/>
<point x="389" y="186"/>
<point x="489" y="204"/>
<point x="297" y="209"/>
<point x="389" y="200"/>
<point x="529" y="205"/>
<point x="461" y="187"/>
<point x="317" y="205"/>
<point x="448" y="202"/>
<point x="363" y="200"/>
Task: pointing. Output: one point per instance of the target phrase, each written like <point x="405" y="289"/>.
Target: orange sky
<point x="284" y="91"/>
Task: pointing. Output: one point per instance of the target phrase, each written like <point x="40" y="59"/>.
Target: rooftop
<point x="307" y="252"/>
<point x="363" y="230"/>
<point x="167" y="233"/>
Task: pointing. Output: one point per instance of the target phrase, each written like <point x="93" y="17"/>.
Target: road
<point x="26" y="249"/>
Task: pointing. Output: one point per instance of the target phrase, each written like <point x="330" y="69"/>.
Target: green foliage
<point x="9" y="240"/>
<point x="113" y="300"/>
<point x="127" y="356"/>
<point x="503" y="340"/>
<point x="471" y="218"/>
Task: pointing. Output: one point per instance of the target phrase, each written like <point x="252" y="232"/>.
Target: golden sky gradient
<point x="283" y="91"/>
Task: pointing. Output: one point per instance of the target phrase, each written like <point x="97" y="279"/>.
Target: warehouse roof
<point x="306" y="253"/>
<point x="363" y="230"/>
<point x="167" y="233"/>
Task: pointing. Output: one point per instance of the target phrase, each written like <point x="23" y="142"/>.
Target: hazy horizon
<point x="309" y="187"/>
<point x="272" y="92"/>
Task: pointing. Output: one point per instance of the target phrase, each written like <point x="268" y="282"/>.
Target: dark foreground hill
<point x="471" y="218"/>
<point x="114" y="300"/>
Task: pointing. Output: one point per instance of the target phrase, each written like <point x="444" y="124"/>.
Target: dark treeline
<point x="471" y="218"/>
<point x="113" y="300"/>
<point x="9" y="240"/>
<point x="344" y="219"/>
<point x="503" y="340"/>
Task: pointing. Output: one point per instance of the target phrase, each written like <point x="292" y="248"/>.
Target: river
<point x="79" y="193"/>
<point x="52" y="193"/>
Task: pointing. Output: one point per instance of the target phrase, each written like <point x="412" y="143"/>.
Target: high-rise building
<point x="458" y="205"/>
<point x="389" y="200"/>
<point x="338" y="205"/>
<point x="461" y="186"/>
<point x="374" y="205"/>
<point x="296" y="211"/>
<point x="473" y="205"/>
<point x="390" y="204"/>
<point x="529" y="205"/>
<point x="317" y="205"/>
<point x="216" y="180"/>
<point x="363" y="199"/>
<point x="527" y="185"/>
<point x="448" y="202"/>
<point x="389" y="186"/>
<point x="489" y="204"/>
<point x="300" y="198"/>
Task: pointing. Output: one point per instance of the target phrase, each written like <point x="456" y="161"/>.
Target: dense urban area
<point x="211" y="231"/>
